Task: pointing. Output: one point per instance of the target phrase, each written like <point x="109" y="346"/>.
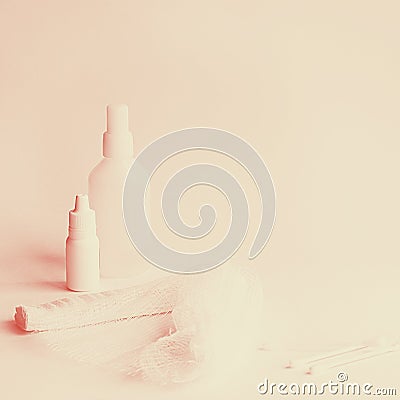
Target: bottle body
<point x="82" y="260"/>
<point x="106" y="183"/>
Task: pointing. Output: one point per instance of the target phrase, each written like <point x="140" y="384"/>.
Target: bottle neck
<point x="79" y="234"/>
<point x="118" y="146"/>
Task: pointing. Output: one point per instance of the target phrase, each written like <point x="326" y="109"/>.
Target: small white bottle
<point x="82" y="248"/>
<point x="106" y="183"/>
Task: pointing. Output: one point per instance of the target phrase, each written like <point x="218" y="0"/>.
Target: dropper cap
<point x="117" y="140"/>
<point x="82" y="217"/>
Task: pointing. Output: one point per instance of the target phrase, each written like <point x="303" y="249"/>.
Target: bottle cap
<point x="82" y="217"/>
<point x="117" y="140"/>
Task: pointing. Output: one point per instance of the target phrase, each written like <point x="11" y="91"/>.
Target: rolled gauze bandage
<point x="165" y="331"/>
<point x="153" y="298"/>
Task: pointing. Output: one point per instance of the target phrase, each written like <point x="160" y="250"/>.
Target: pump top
<point x="117" y="140"/>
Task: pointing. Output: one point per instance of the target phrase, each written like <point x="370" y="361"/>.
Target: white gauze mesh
<point x="163" y="331"/>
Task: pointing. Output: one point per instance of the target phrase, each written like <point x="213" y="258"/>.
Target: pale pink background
<point x="313" y="85"/>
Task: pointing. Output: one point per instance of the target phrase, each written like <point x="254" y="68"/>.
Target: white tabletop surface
<point x="30" y="369"/>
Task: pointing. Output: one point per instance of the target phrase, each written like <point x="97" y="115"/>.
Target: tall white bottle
<point x="106" y="183"/>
